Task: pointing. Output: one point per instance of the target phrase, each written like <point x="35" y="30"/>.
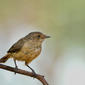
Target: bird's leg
<point x="16" y="67"/>
<point x="34" y="73"/>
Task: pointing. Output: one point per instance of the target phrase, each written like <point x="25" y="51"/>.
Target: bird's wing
<point x="16" y="47"/>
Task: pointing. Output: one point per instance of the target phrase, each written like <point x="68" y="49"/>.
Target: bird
<point x="26" y="49"/>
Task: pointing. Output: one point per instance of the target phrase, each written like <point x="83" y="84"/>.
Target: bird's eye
<point x="38" y="36"/>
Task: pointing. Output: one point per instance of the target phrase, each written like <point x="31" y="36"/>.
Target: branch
<point x="23" y="72"/>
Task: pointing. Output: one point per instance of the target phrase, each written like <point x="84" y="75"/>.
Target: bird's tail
<point x="5" y="58"/>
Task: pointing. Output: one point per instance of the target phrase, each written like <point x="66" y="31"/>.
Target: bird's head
<point x="37" y="36"/>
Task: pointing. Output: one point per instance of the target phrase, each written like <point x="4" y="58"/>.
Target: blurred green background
<point x="62" y="57"/>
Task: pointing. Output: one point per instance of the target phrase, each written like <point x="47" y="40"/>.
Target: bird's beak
<point x="47" y="36"/>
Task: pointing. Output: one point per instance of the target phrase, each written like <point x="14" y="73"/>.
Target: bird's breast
<point x="27" y="54"/>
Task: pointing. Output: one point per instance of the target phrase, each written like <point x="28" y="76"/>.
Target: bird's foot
<point x="16" y="68"/>
<point x="34" y="73"/>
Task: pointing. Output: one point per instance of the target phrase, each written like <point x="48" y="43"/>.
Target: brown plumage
<point x="26" y="49"/>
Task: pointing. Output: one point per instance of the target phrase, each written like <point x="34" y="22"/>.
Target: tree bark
<point x="23" y="72"/>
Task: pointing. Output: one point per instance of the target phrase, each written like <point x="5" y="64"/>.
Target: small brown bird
<point x="26" y="49"/>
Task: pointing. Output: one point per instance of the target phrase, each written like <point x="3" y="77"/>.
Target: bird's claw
<point x="16" y="68"/>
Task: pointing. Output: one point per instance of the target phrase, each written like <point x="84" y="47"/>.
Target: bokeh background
<point x="62" y="60"/>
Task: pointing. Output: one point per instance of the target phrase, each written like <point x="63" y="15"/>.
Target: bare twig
<point x="23" y="72"/>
